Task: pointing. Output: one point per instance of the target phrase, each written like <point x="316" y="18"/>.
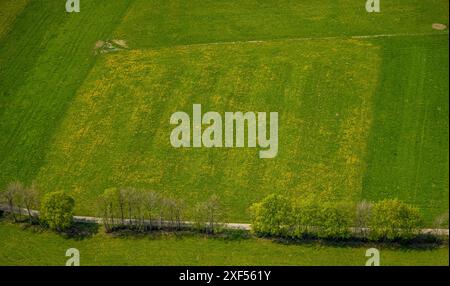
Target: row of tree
<point x="130" y="208"/>
<point x="146" y="210"/>
<point x="18" y="198"/>
<point x="277" y="215"/>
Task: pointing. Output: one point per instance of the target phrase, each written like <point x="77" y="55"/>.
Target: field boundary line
<point x="300" y="39"/>
<point x="187" y="224"/>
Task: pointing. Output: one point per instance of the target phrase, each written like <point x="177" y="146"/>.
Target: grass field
<point x="360" y="118"/>
<point x="28" y="247"/>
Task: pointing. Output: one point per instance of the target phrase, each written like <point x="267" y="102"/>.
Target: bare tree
<point x="441" y="221"/>
<point x="208" y="214"/>
<point x="133" y="201"/>
<point x="10" y="195"/>
<point x="121" y="201"/>
<point x="150" y="201"/>
<point x="173" y="212"/>
<point x="30" y="199"/>
<point x="363" y="211"/>
<point x="137" y="200"/>
<point x="108" y="208"/>
<point x="179" y="207"/>
<point x="200" y="217"/>
<point x="213" y="212"/>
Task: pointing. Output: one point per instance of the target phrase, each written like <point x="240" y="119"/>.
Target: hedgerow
<point x="281" y="216"/>
<point x="392" y="219"/>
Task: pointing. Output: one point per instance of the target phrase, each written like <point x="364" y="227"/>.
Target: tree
<point x="335" y="220"/>
<point x="18" y="198"/>
<point x="213" y="211"/>
<point x="30" y="199"/>
<point x="57" y="211"/>
<point x="305" y="218"/>
<point x="151" y="201"/>
<point x="208" y="214"/>
<point x="132" y="201"/>
<point x="129" y="200"/>
<point x="173" y="211"/>
<point x="108" y="208"/>
<point x="136" y="208"/>
<point x="362" y="216"/>
<point x="121" y="201"/>
<point x="392" y="219"/>
<point x="11" y="194"/>
<point x="272" y="216"/>
<point x="441" y="221"/>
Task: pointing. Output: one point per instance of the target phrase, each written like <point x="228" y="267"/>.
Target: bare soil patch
<point x="109" y="46"/>
<point x="438" y="26"/>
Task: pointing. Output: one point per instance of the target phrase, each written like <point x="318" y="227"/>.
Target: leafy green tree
<point x="335" y="220"/>
<point x="392" y="219"/>
<point x="272" y="216"/>
<point x="313" y="217"/>
<point x="306" y="215"/>
<point x="57" y="211"/>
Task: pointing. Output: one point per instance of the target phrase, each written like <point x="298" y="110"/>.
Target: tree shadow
<point x="422" y="242"/>
<point x="78" y="231"/>
<point x="172" y="233"/>
<point x="81" y="231"/>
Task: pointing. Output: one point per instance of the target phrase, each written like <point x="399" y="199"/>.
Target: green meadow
<point x="130" y="97"/>
<point x="33" y="247"/>
<point x="362" y="102"/>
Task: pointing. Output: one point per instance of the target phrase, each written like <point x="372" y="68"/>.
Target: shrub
<point x="272" y="216"/>
<point x="314" y="218"/>
<point x="335" y="220"/>
<point x="306" y="215"/>
<point x="57" y="211"/>
<point x="393" y="219"/>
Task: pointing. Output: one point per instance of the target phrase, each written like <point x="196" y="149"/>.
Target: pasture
<point x="362" y="98"/>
